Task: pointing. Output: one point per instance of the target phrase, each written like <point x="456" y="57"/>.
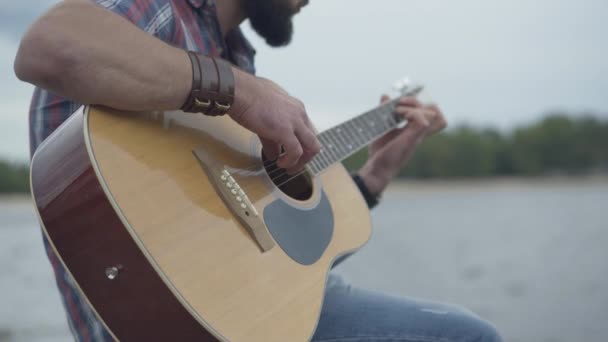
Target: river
<point x="530" y="256"/>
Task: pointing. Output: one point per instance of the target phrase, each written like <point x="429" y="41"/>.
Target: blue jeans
<point x="351" y="314"/>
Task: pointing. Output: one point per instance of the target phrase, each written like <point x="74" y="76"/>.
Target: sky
<point x="486" y="63"/>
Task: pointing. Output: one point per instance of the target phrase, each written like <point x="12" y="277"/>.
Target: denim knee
<point x="487" y="332"/>
<point x="480" y="330"/>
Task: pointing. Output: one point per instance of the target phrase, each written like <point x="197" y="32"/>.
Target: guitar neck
<point x="341" y="141"/>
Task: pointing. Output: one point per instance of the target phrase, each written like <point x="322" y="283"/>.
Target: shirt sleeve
<point x="152" y="16"/>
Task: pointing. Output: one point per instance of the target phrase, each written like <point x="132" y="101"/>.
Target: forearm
<point x="375" y="179"/>
<point x="90" y="55"/>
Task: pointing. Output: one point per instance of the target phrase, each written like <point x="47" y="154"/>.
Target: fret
<point x="373" y="123"/>
<point x="363" y="128"/>
<point x="324" y="156"/>
<point x="350" y="136"/>
<point x="315" y="168"/>
<point x="391" y="117"/>
<point x="335" y="136"/>
<point x="390" y="112"/>
<point x="335" y="146"/>
<point x="312" y="166"/>
<point x="330" y="146"/>
<point x="345" y="139"/>
<point x="317" y="163"/>
<point x="358" y="136"/>
<point x="358" y="131"/>
<point x="381" y="120"/>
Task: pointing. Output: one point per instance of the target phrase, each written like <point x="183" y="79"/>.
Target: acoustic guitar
<point x="175" y="227"/>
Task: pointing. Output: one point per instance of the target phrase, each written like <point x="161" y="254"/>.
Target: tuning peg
<point x="402" y="85"/>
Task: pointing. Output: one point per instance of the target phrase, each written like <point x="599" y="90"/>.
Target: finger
<point x="270" y="149"/>
<point x="296" y="169"/>
<point x="310" y="146"/>
<point x="415" y="117"/>
<point x="384" y="99"/>
<point x="293" y="151"/>
<point x="430" y="115"/>
<point x="305" y="131"/>
<point x="409" y="101"/>
<point x="388" y="137"/>
<point x="308" y="139"/>
<point x="439" y="122"/>
<point x="310" y="125"/>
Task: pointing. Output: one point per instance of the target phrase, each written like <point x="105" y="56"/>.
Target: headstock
<point x="406" y="87"/>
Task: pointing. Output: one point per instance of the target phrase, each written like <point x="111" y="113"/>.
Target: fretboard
<point x="340" y="142"/>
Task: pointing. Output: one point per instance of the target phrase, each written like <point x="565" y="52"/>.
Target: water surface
<point x="530" y="256"/>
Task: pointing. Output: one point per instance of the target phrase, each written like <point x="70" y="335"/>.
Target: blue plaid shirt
<point x="188" y="24"/>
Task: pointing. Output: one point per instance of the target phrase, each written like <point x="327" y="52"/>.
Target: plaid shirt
<point x="188" y="24"/>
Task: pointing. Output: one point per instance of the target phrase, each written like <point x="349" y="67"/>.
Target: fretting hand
<point x="389" y="153"/>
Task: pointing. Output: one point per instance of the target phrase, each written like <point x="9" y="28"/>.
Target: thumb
<point x="384" y="98"/>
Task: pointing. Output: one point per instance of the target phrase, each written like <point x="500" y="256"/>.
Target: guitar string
<point x="256" y="166"/>
<point x="292" y="178"/>
<point x="281" y="172"/>
<point x="289" y="179"/>
<point x="414" y="92"/>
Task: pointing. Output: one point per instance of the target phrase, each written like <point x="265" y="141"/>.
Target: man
<point x="81" y="52"/>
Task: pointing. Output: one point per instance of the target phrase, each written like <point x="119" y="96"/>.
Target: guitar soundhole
<point x="298" y="187"/>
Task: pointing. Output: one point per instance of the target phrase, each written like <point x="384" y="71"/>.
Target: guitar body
<point x="174" y="230"/>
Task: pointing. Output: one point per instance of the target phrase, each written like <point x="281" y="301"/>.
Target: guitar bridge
<point x="235" y="199"/>
<point x="238" y="194"/>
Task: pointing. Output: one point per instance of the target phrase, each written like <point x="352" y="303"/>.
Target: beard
<point x="271" y="19"/>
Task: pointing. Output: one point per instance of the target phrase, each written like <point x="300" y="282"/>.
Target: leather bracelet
<point x="196" y="82"/>
<point x="226" y="87"/>
<point x="213" y="86"/>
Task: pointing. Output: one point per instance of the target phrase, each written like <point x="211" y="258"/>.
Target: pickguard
<point x="303" y="234"/>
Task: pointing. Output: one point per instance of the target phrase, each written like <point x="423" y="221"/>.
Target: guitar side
<point x="89" y="238"/>
<point x="206" y="266"/>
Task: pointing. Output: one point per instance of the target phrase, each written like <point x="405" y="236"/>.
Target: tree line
<point x="14" y="178"/>
<point x="557" y="144"/>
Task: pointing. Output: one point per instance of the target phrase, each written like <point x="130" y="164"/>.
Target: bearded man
<point x="132" y="55"/>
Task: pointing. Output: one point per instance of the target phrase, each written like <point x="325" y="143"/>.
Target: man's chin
<point x="277" y="41"/>
<point x="272" y="20"/>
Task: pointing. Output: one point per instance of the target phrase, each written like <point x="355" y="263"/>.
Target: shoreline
<point x="461" y="184"/>
<point x="17" y="198"/>
<point x="399" y="184"/>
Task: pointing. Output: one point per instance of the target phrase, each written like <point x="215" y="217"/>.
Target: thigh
<point x="353" y="314"/>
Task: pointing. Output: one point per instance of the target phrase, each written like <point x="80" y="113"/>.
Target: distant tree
<point x="13" y="178"/>
<point x="558" y="143"/>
